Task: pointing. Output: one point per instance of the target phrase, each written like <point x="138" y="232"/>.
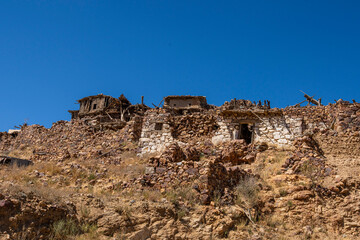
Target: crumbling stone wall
<point x="336" y="144"/>
<point x="185" y="127"/>
<point x="135" y="128"/>
<point x="282" y="126"/>
<point x="156" y="131"/>
<point x="279" y="130"/>
<point x="6" y="140"/>
<point x="270" y="127"/>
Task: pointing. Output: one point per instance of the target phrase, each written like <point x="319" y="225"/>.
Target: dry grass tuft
<point x="247" y="192"/>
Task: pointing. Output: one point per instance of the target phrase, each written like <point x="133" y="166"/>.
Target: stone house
<point x="187" y="102"/>
<point x="109" y="112"/>
<point x="92" y="105"/>
<point x="256" y="122"/>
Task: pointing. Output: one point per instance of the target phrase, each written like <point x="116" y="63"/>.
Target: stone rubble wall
<point x="64" y="140"/>
<point x="223" y="133"/>
<point x="151" y="140"/>
<point x="277" y="130"/>
<point x="343" y="144"/>
<point x="135" y="128"/>
<point x="280" y="130"/>
<point x="337" y="127"/>
<point x="186" y="127"/>
<point x="206" y="177"/>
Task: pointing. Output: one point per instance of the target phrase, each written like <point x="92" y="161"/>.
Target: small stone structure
<point x="258" y="125"/>
<point x="185" y="102"/>
<point x="92" y="105"/>
<point x="156" y="132"/>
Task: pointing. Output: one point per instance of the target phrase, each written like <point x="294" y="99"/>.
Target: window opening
<point x="90" y="103"/>
<point x="158" y="126"/>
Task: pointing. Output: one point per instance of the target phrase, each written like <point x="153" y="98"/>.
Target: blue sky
<point x="55" y="52"/>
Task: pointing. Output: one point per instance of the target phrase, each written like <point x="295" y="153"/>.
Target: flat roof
<point x="94" y="96"/>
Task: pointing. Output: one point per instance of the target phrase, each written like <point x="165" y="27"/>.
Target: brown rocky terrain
<point x="87" y="183"/>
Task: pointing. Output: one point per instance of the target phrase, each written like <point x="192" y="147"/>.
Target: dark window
<point x="94" y="107"/>
<point x="246" y="133"/>
<point x="158" y="126"/>
<point x="243" y="131"/>
<point x="90" y="103"/>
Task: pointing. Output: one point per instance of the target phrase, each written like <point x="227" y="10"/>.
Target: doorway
<point x="243" y="131"/>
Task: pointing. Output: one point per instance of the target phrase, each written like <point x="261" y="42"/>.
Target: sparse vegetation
<point x="64" y="228"/>
<point x="124" y="210"/>
<point x="181" y="193"/>
<point x="283" y="192"/>
<point x="247" y="192"/>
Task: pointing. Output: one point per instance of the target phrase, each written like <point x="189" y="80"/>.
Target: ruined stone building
<point x="185" y="102"/>
<point x="92" y="106"/>
<point x="107" y="111"/>
<point x="185" y="118"/>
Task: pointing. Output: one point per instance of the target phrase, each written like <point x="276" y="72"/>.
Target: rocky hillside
<point x="87" y="183"/>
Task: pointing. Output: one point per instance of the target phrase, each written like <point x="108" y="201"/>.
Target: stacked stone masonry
<point x="158" y="128"/>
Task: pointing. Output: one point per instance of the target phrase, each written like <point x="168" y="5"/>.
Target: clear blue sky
<point x="55" y="52"/>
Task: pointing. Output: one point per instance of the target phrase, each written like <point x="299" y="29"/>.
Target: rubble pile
<point x="307" y="159"/>
<point x="65" y="140"/>
<point x="237" y="152"/>
<point x="6" y="140"/>
<point x="172" y="154"/>
<point x="19" y="210"/>
<point x="216" y="180"/>
<point x="208" y="178"/>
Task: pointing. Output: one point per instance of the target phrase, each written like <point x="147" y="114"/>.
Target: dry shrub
<point x="124" y="210"/>
<point x="64" y="228"/>
<point x="151" y="195"/>
<point x="182" y="193"/>
<point x="27" y="174"/>
<point x="247" y="192"/>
